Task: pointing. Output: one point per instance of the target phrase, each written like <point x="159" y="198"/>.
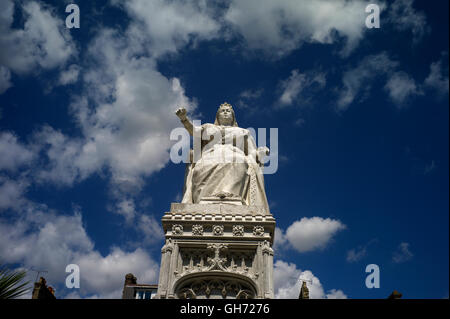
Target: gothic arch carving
<point x="215" y="285"/>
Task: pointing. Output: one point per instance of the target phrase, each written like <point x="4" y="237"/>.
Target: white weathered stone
<point x="218" y="240"/>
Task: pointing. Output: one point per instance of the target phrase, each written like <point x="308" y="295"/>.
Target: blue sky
<point x="362" y="119"/>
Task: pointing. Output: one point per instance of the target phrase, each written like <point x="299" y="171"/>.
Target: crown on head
<point x="225" y="104"/>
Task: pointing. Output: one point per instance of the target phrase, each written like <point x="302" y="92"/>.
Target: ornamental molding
<point x="238" y="230"/>
<point x="177" y="229"/>
<point x="258" y="231"/>
<point x="197" y="230"/>
<point x="217" y="230"/>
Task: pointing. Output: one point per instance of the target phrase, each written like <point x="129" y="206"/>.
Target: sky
<point x="361" y="113"/>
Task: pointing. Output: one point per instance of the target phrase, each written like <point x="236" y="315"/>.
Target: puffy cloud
<point x="11" y="192"/>
<point x="13" y="153"/>
<point x="336" y="294"/>
<point x="307" y="234"/>
<point x="297" y="82"/>
<point x="279" y="27"/>
<point x="125" y="116"/>
<point x="150" y="228"/>
<point x="126" y="109"/>
<point x="356" y="254"/>
<point x="280" y="240"/>
<point x="401" y="87"/>
<point x="403" y="16"/>
<point x="359" y="78"/>
<point x="104" y="276"/>
<point x="167" y="26"/>
<point x="312" y="233"/>
<point x="70" y="75"/>
<point x="126" y="208"/>
<point x="287" y="282"/>
<point x="437" y="79"/>
<point x="146" y="226"/>
<point x="63" y="164"/>
<point x="43" y="42"/>
<point x="402" y="254"/>
<point x="46" y="240"/>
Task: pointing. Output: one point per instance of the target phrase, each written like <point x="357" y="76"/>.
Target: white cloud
<point x="104" y="276"/>
<point x="360" y="77"/>
<point x="251" y="94"/>
<point x="70" y="75"/>
<point x="13" y="154"/>
<point x="312" y="233"/>
<point x="401" y="87"/>
<point x="125" y="116"/>
<point x="126" y="208"/>
<point x="356" y="254"/>
<point x="280" y="240"/>
<point x="146" y="226"/>
<point x="11" y="192"/>
<point x="438" y="76"/>
<point x="44" y="42"/>
<point x="336" y="294"/>
<point x="287" y="282"/>
<point x="297" y="82"/>
<point x="403" y="16"/>
<point x="402" y="254"/>
<point x="279" y="27"/>
<point x="167" y="26"/>
<point x="126" y="111"/>
<point x="151" y="229"/>
<point x="247" y="99"/>
<point x="5" y="79"/>
<point x="45" y="240"/>
<point x="63" y="157"/>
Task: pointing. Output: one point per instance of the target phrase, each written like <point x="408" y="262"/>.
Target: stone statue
<point x="229" y="166"/>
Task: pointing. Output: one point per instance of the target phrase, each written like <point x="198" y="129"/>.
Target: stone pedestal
<point x="217" y="251"/>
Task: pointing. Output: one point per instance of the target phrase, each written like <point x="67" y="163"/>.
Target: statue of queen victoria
<point x="227" y="167"/>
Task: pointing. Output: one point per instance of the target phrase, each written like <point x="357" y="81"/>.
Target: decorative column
<point x="172" y="269"/>
<point x="268" y="270"/>
<point x="166" y="253"/>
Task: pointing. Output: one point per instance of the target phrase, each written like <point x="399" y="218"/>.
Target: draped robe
<point x="226" y="168"/>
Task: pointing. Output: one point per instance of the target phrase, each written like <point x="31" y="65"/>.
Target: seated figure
<point x="229" y="166"/>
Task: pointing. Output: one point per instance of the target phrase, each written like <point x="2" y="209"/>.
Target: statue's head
<point x="225" y="115"/>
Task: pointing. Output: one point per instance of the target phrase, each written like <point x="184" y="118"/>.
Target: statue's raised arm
<point x="181" y="113"/>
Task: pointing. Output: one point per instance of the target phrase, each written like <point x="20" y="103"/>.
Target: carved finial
<point x="304" y="291"/>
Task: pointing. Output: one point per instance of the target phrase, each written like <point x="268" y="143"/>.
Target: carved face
<point x="225" y="115"/>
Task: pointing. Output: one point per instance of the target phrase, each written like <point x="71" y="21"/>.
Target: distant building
<point x="41" y="291"/>
<point x="395" y="295"/>
<point x="133" y="290"/>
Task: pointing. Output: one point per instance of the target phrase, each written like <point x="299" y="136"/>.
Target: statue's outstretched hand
<point x="181" y="113"/>
<point x="262" y="152"/>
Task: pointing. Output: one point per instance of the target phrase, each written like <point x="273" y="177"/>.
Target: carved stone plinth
<point x="217" y="251"/>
